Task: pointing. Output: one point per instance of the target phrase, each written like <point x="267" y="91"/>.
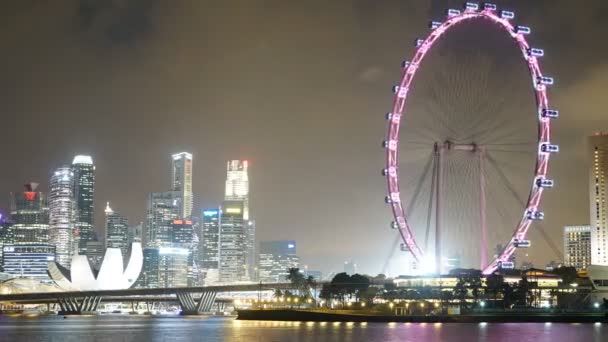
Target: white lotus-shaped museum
<point x="111" y="275"/>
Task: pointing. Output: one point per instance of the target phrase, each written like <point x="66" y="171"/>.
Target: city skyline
<point x="336" y="194"/>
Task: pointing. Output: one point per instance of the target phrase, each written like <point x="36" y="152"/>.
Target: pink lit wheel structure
<point x="545" y="114"/>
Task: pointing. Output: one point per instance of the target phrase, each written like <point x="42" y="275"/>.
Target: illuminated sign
<point x="210" y="213"/>
<point x="188" y="222"/>
<point x="178" y="222"/>
<point x="30" y="196"/>
<point x="233" y="210"/>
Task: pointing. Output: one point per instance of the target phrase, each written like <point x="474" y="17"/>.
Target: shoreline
<point x="291" y="315"/>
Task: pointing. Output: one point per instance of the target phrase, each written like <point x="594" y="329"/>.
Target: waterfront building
<point x="181" y="181"/>
<point x="84" y="193"/>
<point x="577" y="246"/>
<point x="112" y="274"/>
<point x="181" y="233"/>
<point x="62" y="215"/>
<point x="209" y="245"/>
<point x="29" y="215"/>
<point x="117" y="228"/>
<point x="163" y="208"/>
<point x="28" y="261"/>
<point x="173" y="267"/>
<point x="275" y="260"/>
<point x="5" y="237"/>
<point x="232" y="266"/>
<point x="598" y="196"/>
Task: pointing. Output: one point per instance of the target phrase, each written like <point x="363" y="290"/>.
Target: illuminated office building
<point x="163" y="208"/>
<point x="598" y="150"/>
<point x="29" y="215"/>
<point x="84" y="193"/>
<point x="28" y="261"/>
<point x="232" y="266"/>
<point x="209" y="245"/>
<point x="275" y="260"/>
<point x="173" y="266"/>
<point x="62" y="215"/>
<point x="181" y="181"/>
<point x="237" y="189"/>
<point x="577" y="246"/>
<point x="117" y="229"/>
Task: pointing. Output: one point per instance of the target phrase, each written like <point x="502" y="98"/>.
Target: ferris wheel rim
<point x="539" y="82"/>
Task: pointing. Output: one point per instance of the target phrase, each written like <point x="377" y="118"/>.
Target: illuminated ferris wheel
<point x="451" y="152"/>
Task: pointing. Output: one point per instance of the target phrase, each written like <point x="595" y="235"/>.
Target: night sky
<point x="299" y="88"/>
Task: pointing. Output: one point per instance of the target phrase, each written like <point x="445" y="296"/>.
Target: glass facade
<point x="62" y="215"/>
<point x="598" y="149"/>
<point x="84" y="193"/>
<point x="117" y="229"/>
<point x="173" y="267"/>
<point x="232" y="266"/>
<point x="163" y="208"/>
<point x="181" y="181"/>
<point x="275" y="260"/>
<point x="29" y="217"/>
<point x="209" y="249"/>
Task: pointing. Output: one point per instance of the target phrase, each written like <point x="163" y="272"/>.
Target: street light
<point x="482" y="304"/>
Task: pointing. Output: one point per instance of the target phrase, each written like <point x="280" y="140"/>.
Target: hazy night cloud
<point x="133" y="81"/>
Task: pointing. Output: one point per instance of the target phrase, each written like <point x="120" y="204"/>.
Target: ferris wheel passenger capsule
<point x="545" y="183"/>
<point x="507" y="14"/>
<point x="405" y="64"/>
<point x="418" y="42"/>
<point x="471" y="6"/>
<point x="506" y="265"/>
<point x="522" y="29"/>
<point x="550" y="113"/>
<point x="544" y="80"/>
<point x="394" y="225"/>
<point x="489" y="7"/>
<point x="453" y="12"/>
<point x="404" y="248"/>
<point x="390" y="144"/>
<point x="535" y="215"/>
<point x="536" y="52"/>
<point x="549" y="148"/>
<point x="387" y="200"/>
<point x="434" y="24"/>
<point x="522" y="243"/>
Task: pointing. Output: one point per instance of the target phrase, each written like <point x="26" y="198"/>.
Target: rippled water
<point x="133" y="328"/>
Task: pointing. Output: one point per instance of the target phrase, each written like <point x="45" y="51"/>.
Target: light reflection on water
<point x="133" y="328"/>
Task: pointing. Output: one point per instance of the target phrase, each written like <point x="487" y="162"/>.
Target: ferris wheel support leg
<point x="439" y="150"/>
<point x="483" y="248"/>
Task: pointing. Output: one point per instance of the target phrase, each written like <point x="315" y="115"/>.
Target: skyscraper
<point x="237" y="189"/>
<point x="29" y="216"/>
<point x="163" y="208"/>
<point x="117" y="230"/>
<point x="232" y="266"/>
<point x="598" y="150"/>
<point x="209" y="245"/>
<point x="276" y="258"/>
<point x="84" y="191"/>
<point x="237" y="184"/>
<point x="181" y="181"/>
<point x="577" y="246"/>
<point x="62" y="214"/>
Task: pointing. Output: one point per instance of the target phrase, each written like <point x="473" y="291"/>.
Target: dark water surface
<point x="139" y="328"/>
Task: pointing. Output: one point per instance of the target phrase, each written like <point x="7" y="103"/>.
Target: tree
<point x="358" y="284"/>
<point x="568" y="274"/>
<point x="298" y="281"/>
<point x="494" y="285"/>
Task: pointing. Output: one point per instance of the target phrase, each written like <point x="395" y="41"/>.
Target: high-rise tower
<point x="62" y="214"/>
<point x="84" y="191"/>
<point x="29" y="216"/>
<point x="181" y="181"/>
<point x="598" y="195"/>
<point x="237" y="184"/>
<point x="117" y="230"/>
